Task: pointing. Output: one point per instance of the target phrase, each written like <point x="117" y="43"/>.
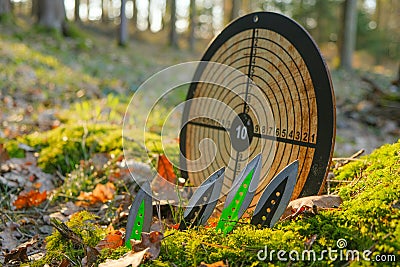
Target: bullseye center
<point x="241" y="132"/>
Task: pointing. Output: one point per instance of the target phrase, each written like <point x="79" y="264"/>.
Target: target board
<point x="287" y="109"/>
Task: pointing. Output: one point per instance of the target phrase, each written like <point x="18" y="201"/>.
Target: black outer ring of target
<point x="310" y="53"/>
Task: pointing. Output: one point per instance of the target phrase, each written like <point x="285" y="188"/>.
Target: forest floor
<point x="62" y="105"/>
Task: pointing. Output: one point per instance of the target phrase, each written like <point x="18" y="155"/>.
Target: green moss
<point x="13" y="150"/>
<point x="59" y="247"/>
<point x="366" y="220"/>
<point x="26" y="69"/>
<point x="63" y="148"/>
<point x="112" y="254"/>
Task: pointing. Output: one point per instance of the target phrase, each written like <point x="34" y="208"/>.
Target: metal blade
<point x="240" y="196"/>
<point x="140" y="215"/>
<point x="202" y="203"/>
<point x="276" y="197"/>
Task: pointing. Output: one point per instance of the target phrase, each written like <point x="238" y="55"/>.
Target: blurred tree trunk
<point x="123" y="27"/>
<point x="167" y="15"/>
<point x="173" y="36"/>
<point x="5" y="7"/>
<point x="227" y="11"/>
<point x="135" y="12"/>
<point x="235" y="9"/>
<point x="104" y="11"/>
<point x="51" y="14"/>
<point x="35" y="8"/>
<point x="349" y="34"/>
<point x="87" y="9"/>
<point x="76" y="10"/>
<point x="149" y="16"/>
<point x="192" y="25"/>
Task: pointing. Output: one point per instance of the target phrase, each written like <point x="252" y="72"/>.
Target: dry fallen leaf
<point x="8" y="236"/>
<point x="312" y="202"/>
<point x="212" y="223"/>
<point x="3" y="154"/>
<point x="29" y="199"/>
<point x="24" y="173"/>
<point x="165" y="169"/>
<point x="101" y="193"/>
<point x="91" y="256"/>
<point x="64" y="263"/>
<point x="19" y="254"/>
<point x="104" y="192"/>
<point x="150" y="241"/>
<point x="113" y="240"/>
<point x="130" y="259"/>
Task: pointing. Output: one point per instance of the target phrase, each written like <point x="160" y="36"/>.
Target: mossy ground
<point x="368" y="219"/>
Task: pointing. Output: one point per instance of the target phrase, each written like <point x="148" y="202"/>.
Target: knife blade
<point x="140" y="214"/>
<point x="202" y="203"/>
<point x="276" y="197"/>
<point x="240" y="196"/>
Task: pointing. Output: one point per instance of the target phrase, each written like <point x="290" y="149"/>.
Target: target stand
<point x="285" y="64"/>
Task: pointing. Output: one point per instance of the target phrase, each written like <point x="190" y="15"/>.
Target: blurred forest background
<point x="120" y="43"/>
<point x="373" y="26"/>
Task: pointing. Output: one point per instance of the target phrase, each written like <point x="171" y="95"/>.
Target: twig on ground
<point x="343" y="161"/>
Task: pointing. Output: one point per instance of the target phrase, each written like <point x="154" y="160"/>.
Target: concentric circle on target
<point x="288" y="78"/>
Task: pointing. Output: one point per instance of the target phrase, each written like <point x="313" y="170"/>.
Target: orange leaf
<point x="174" y="226"/>
<point x="29" y="199"/>
<point x="212" y="223"/>
<point x="113" y="240"/>
<point x="101" y="193"/>
<point x="165" y="169"/>
<point x="85" y="199"/>
<point x="104" y="192"/>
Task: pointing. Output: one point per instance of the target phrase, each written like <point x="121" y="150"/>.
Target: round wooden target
<point x="282" y="60"/>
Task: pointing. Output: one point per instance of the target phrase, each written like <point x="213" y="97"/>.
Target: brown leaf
<point x="312" y="202"/>
<point x="8" y="236"/>
<point x="113" y="240"/>
<point x="165" y="169"/>
<point x="23" y="173"/>
<point x="133" y="259"/>
<point x="90" y="259"/>
<point x="104" y="192"/>
<point x="151" y="241"/>
<point x="19" y="253"/>
<point x="215" y="264"/>
<point x="29" y="199"/>
<point x="64" y="263"/>
<point x="101" y="193"/>
<point x="3" y="154"/>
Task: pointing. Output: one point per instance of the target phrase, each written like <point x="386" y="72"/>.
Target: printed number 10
<point x="241" y="133"/>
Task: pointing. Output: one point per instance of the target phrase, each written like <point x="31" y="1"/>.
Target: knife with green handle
<point x="140" y="215"/>
<point x="241" y="194"/>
